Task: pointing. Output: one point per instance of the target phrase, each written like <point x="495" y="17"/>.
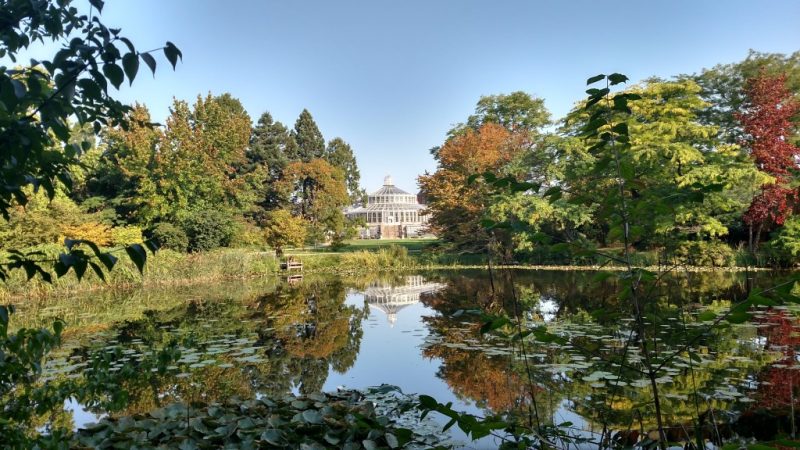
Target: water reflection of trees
<point x="300" y="332"/>
<point x="498" y="382"/>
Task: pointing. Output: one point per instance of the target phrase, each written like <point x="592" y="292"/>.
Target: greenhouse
<point x="390" y="213"/>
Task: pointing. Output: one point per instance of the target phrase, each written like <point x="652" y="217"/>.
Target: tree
<point x="282" y="229"/>
<point x="767" y="122"/>
<point x="517" y="111"/>
<point x="38" y="102"/>
<point x="724" y="87"/>
<point x="456" y="207"/>
<point x="191" y="165"/>
<point x="310" y="143"/>
<point x="340" y="155"/>
<point x="317" y="193"/>
<point x="678" y="180"/>
<point x="271" y="144"/>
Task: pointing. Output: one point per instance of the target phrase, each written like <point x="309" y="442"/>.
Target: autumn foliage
<point x="457" y="206"/>
<point x="767" y="121"/>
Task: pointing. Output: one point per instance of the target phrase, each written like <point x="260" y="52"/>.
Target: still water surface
<point x="255" y="338"/>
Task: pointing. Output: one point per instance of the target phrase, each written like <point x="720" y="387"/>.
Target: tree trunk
<point x="758" y="238"/>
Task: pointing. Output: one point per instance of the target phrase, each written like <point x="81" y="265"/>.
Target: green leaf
<point x="312" y="416"/>
<point x="428" y="402"/>
<point x="495" y="323"/>
<point x="172" y="53"/>
<point x="138" y="255"/>
<point x="603" y="276"/>
<point x="738" y="317"/>
<point x="108" y="260"/>
<point x="150" y="61"/>
<point x="97" y="270"/>
<point x="620" y="128"/>
<point x="617" y="78"/>
<point x="58" y="327"/>
<point x="595" y="79"/>
<point x="97" y="4"/>
<point x="706" y="316"/>
<point x="114" y="74"/>
<point x="19" y="88"/>
<point x="130" y="62"/>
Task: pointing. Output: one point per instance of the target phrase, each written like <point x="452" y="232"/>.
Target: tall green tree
<point x="517" y="111"/>
<point x="162" y="175"/>
<point x="271" y="145"/>
<point x="679" y="180"/>
<point x="310" y="143"/>
<point x="340" y="155"/>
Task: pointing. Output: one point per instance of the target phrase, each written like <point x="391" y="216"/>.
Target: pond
<point x="421" y="333"/>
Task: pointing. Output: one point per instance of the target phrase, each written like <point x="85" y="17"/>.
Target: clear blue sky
<point x="392" y="77"/>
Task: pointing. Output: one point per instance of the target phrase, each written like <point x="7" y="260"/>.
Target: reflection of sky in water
<point x="391" y="353"/>
<point x="548" y="308"/>
<point x="80" y="416"/>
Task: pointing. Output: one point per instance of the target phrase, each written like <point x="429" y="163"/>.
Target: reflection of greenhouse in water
<point x="391" y="299"/>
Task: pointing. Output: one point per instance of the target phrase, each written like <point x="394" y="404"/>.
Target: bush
<point x="126" y="235"/>
<point x="208" y="229"/>
<point x="784" y="248"/>
<point x="704" y="253"/>
<point x="169" y="236"/>
<point x="96" y="232"/>
<point x="247" y="235"/>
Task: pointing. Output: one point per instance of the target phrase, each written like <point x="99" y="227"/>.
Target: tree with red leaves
<point x="767" y="121"/>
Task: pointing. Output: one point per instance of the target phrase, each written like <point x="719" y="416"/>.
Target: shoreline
<point x="261" y="265"/>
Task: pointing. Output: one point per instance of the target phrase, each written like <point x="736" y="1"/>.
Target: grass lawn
<point x="413" y="245"/>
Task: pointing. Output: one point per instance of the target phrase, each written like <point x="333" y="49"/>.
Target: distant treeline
<point x="205" y="179"/>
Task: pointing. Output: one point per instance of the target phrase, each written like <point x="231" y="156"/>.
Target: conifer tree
<point x="340" y="155"/>
<point x="310" y="143"/>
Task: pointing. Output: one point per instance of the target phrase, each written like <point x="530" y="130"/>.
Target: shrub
<point x="704" y="253"/>
<point x="785" y="244"/>
<point x="126" y="235"/>
<point x="98" y="233"/>
<point x="208" y="228"/>
<point x="169" y="236"/>
<point x="282" y="229"/>
<point x="247" y="235"/>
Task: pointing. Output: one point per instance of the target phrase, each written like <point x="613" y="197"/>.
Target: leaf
<point x="130" y="62"/>
<point x="58" y="327"/>
<point x="391" y="440"/>
<point x="617" y="78"/>
<point x="495" y="323"/>
<point x="114" y="74"/>
<point x="97" y="270"/>
<point x="312" y="416"/>
<point x="138" y="255"/>
<point x="738" y="317"/>
<point x="98" y="4"/>
<point x="19" y="88"/>
<point x="595" y="79"/>
<point x="620" y="128"/>
<point x="706" y="316"/>
<point x="172" y="53"/>
<point x="602" y="276"/>
<point x="150" y="61"/>
<point x="428" y="402"/>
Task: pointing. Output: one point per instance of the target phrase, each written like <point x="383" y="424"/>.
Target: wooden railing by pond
<point x="292" y="264"/>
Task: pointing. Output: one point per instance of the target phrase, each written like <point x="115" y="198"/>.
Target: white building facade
<point x="390" y="213"/>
